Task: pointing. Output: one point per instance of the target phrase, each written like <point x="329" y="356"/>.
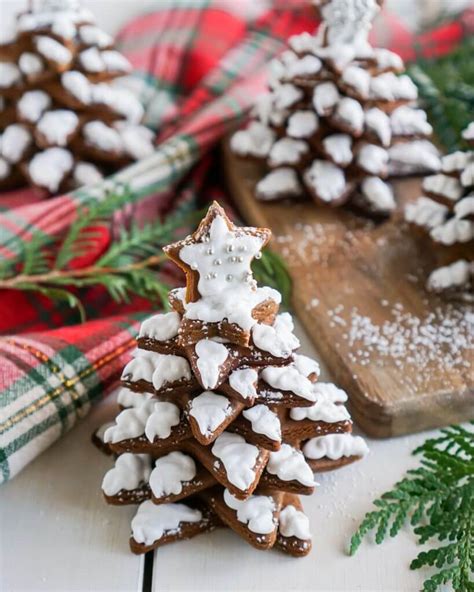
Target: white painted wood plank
<point x="221" y="561"/>
<point x="56" y="531"/>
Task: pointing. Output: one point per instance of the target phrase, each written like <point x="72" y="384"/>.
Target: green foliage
<point x="446" y="91"/>
<point x="438" y="501"/>
<point x="270" y="270"/>
<point x="130" y="265"/>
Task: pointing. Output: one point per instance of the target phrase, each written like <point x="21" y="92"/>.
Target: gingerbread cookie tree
<point x="446" y="212"/>
<point x="339" y="118"/>
<point x="64" y="123"/>
<point x="221" y="422"/>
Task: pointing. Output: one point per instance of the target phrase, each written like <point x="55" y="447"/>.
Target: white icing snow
<point x="49" y="168"/>
<point x="264" y="421"/>
<point x="243" y="381"/>
<point x="277" y="339"/>
<point x="294" y="523"/>
<point x="170" y="472"/>
<point x="209" y="410"/>
<point x="162" y="327"/>
<point x="129" y="472"/>
<point x="238" y="458"/>
<point x="256" y="512"/>
<point x="152" y="521"/>
<point x="210" y="357"/>
<point x="335" y="446"/>
<point x="289" y="464"/>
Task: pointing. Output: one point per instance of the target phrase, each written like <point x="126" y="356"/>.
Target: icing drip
<point x="52" y="50"/>
<point x="128" y="398"/>
<point x="444" y="185"/>
<point x="288" y="378"/>
<point x="243" y="381"/>
<point x="455" y="275"/>
<point x="339" y="149"/>
<point x="103" y="137"/>
<point x="305" y="365"/>
<point x="389" y="87"/>
<point x="378" y="194"/>
<point x="456" y="161"/>
<point x="325" y="98"/>
<point x="91" y="60"/>
<point x="99" y="433"/>
<point x="350" y="113"/>
<point x="453" y="231"/>
<point x="294" y="523"/>
<point x="387" y="59"/>
<point x="357" y="78"/>
<point x="9" y="75"/>
<point x="115" y="62"/>
<point x="210" y="411"/>
<point x="14" y="142"/>
<point x="141" y="367"/>
<point x="406" y="121"/>
<point x="264" y="421"/>
<point x="286" y="95"/>
<point x="137" y="139"/>
<point x="302" y="124"/>
<point x="426" y="212"/>
<point x="163" y="418"/>
<point x="413" y="157"/>
<point x="48" y="168"/>
<point x="161" y="327"/>
<point x="30" y="63"/>
<point x="33" y="104"/>
<point x="303" y="43"/>
<point x="238" y="458"/>
<point x="467" y="176"/>
<point x="58" y="126"/>
<point x="326" y="179"/>
<point x="256" y="511"/>
<point x="277" y="339"/>
<point x="309" y="65"/>
<point x="77" y="85"/>
<point x="289" y="464"/>
<point x="256" y="140"/>
<point x="335" y="446"/>
<point x="129" y="423"/>
<point x="92" y="35"/>
<point x="468" y="133"/>
<point x="279" y="183"/>
<point x="323" y="410"/>
<point x="287" y="151"/>
<point x="330" y="392"/>
<point x="5" y="168"/>
<point x="86" y="173"/>
<point x="378" y="123"/>
<point x="210" y="357"/>
<point x="170" y="472"/>
<point x="160" y="369"/>
<point x="129" y="472"/>
<point x="152" y="522"/>
<point x="465" y="207"/>
<point x="373" y="159"/>
<point x="122" y="101"/>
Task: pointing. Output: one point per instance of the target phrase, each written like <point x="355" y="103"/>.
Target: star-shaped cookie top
<point x="217" y="256"/>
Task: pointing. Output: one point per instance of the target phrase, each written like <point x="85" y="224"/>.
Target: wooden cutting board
<point x="404" y="356"/>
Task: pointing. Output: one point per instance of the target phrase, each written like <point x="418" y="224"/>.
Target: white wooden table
<point x="58" y="535"/>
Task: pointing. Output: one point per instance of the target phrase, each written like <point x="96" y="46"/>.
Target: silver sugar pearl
<point x="207" y="276"/>
<point x="240" y="259"/>
<point x="194" y="266"/>
<point x="230" y="248"/>
<point x="258" y="256"/>
<point x="210" y="251"/>
<point x="217" y="262"/>
<point x="242" y="249"/>
<point x="229" y="277"/>
<point x="213" y="275"/>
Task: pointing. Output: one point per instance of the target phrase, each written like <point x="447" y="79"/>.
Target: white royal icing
<point x="303" y="43"/>
<point x="277" y="339"/>
<point x="49" y="168"/>
<point x="330" y="392"/>
<point x="426" y="212"/>
<point x="357" y="78"/>
<point x="129" y="472"/>
<point x="33" y="104"/>
<point x="456" y="161"/>
<point x="91" y="60"/>
<point x="137" y="140"/>
<point x="306" y="365"/>
<point x="351" y="115"/>
<point x="282" y="182"/>
<point x="86" y="173"/>
<point x="467" y="176"/>
<point x="52" y="50"/>
<point x="256" y="511"/>
<point x="5" y="168"/>
<point x="286" y="95"/>
<point x="57" y="126"/>
<point x="389" y="87"/>
<point x="294" y="523"/>
<point x="378" y="194"/>
<point x="323" y="410"/>
<point x="243" y="381"/>
<point x="335" y="446"/>
<point x="159" y="369"/>
<point x="101" y="136"/>
<point x="264" y="421"/>
<point x="289" y="378"/>
<point x="287" y="151"/>
<point x="464" y="207"/>
<point x="453" y="231"/>
<point x="406" y="121"/>
<point x="30" y="63"/>
<point x="170" y="473"/>
<point x="130" y="423"/>
<point x="378" y="123"/>
<point x="152" y="521"/>
<point x="326" y="179"/>
<point x="289" y="464"/>
<point x="120" y="100"/>
<point x="455" y="275"/>
<point x="338" y="148"/>
<point x="443" y="185"/>
<point x="15" y="140"/>
<point x="92" y="35"/>
<point x="162" y="419"/>
<point x="128" y="398"/>
<point x="373" y="159"/>
<point x="468" y="133"/>
<point x="9" y="74"/>
<point x="114" y="61"/>
<point x="238" y="458"/>
<point x="325" y="98"/>
<point x="308" y="65"/>
<point x="210" y="411"/>
<point x="210" y="357"/>
<point x="256" y="140"/>
<point x="387" y="59"/>
<point x="413" y="157"/>
<point x="162" y="327"/>
<point x="77" y="85"/>
<point x="302" y="124"/>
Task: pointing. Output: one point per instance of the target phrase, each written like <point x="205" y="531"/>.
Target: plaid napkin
<point x="198" y="69"/>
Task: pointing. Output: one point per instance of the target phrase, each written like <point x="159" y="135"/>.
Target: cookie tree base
<point x="358" y="290"/>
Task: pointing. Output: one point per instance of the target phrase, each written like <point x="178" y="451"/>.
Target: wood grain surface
<point x="404" y="356"/>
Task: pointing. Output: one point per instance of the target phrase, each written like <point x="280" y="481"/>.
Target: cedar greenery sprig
<point x="438" y="500"/>
<point x="130" y="265"/>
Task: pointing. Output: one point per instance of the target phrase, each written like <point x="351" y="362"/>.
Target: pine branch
<point x="270" y="270"/>
<point x="438" y="500"/>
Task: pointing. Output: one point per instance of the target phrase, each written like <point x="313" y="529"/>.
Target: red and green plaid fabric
<point x="198" y="68"/>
